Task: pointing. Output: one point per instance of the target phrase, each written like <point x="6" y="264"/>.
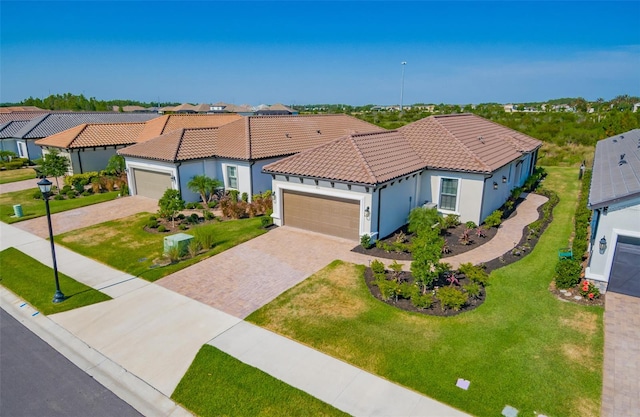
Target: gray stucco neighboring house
<point x="51" y="123"/>
<point x="614" y="197"/>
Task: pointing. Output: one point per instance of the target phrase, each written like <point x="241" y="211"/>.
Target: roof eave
<point x="607" y="203"/>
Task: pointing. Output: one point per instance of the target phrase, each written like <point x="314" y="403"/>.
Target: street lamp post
<point x="45" y="187"/>
<point x="403" y="63"/>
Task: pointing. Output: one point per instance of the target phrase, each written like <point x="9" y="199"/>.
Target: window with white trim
<point x="448" y="193"/>
<point x="232" y="177"/>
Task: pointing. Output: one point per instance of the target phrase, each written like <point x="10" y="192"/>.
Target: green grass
<point x="217" y="384"/>
<point x="13" y="175"/>
<point x="124" y="245"/>
<point x="35" y="283"/>
<point x="522" y="347"/>
<point x="32" y="207"/>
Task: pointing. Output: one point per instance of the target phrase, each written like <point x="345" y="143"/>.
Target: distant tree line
<point x="72" y="102"/>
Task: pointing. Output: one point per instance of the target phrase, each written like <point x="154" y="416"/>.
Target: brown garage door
<point x="151" y="184"/>
<point x="329" y="215"/>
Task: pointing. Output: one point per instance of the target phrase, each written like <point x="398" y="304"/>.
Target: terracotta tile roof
<point x="616" y="170"/>
<point x="52" y="123"/>
<point x="169" y="122"/>
<point x="466" y="142"/>
<point x="18" y="109"/>
<point x="258" y="137"/>
<point x="90" y="135"/>
<point x="177" y="145"/>
<point x="368" y="158"/>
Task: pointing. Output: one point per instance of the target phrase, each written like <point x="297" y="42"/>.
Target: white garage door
<point x="151" y="184"/>
<point x="329" y="215"/>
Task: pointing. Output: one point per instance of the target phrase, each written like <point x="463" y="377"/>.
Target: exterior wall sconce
<point x="504" y="179"/>
<point x="273" y="196"/>
<point x="367" y="213"/>
<point x="603" y="245"/>
<point x="495" y="185"/>
<point x="173" y="178"/>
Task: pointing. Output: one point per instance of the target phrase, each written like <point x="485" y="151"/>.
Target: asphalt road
<point x="37" y="381"/>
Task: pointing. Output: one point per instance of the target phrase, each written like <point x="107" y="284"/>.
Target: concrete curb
<point x="133" y="390"/>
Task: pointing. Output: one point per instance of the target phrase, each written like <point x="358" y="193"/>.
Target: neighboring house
<point x="234" y="153"/>
<point x="8" y="133"/>
<point x="221" y="107"/>
<point x="614" y="197"/>
<point x="636" y="107"/>
<point x="90" y="145"/>
<point x="276" y="110"/>
<point x="367" y="183"/>
<point x="51" y="123"/>
<point x="9" y="129"/>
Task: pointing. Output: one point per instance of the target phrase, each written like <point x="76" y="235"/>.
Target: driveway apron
<point x="621" y="386"/>
<point x="242" y="279"/>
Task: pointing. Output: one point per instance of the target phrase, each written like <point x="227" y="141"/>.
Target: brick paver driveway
<point x="244" y="278"/>
<point x="621" y="386"/>
<point x="89" y="215"/>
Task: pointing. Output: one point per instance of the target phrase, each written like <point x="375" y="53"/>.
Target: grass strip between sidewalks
<point x="35" y="283"/>
<point x="217" y="384"/>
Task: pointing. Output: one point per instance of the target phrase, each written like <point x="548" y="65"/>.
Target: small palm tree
<point x="204" y="186"/>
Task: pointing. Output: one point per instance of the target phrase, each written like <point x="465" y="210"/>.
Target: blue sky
<point x="320" y="51"/>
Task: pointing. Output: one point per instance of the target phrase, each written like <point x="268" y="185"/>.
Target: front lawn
<point x="124" y="245"/>
<point x="523" y="347"/>
<point x="35" y="283"/>
<point x="217" y="384"/>
<point x="13" y="175"/>
<point x="32" y="207"/>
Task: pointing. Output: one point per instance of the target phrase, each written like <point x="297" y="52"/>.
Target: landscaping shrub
<point x="473" y="289"/>
<point x="81" y="179"/>
<point x="208" y="215"/>
<point x="180" y="216"/>
<point x="451" y="220"/>
<point x="153" y="218"/>
<point x="245" y="197"/>
<point x="193" y="248"/>
<point x="388" y="289"/>
<point x="182" y="227"/>
<point x="365" y="241"/>
<point x="451" y="297"/>
<point x="567" y="273"/>
<point x="66" y="189"/>
<point x="475" y="273"/>
<point x="191" y="206"/>
<point x="86" y="193"/>
<point x="71" y="194"/>
<point x="174" y="253"/>
<point x="494" y="219"/>
<point x="58" y="197"/>
<point x="470" y="225"/>
<point x="161" y="228"/>
<point x="582" y="219"/>
<point x="37" y="195"/>
<point x="152" y="224"/>
<point x="204" y="238"/>
<point x="588" y="290"/>
<point x="265" y="221"/>
<point x="233" y="195"/>
<point x="420" y="300"/>
<point x="377" y="267"/>
<point x="212" y="204"/>
<point x="78" y="187"/>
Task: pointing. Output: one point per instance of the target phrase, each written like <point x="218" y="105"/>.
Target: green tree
<point x="170" y="205"/>
<point x="6" y="156"/>
<point x="204" y="186"/>
<point x="116" y="165"/>
<point x="54" y="165"/>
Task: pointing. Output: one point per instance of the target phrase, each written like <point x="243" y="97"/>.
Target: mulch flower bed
<point x="573" y="295"/>
<point x="436" y="308"/>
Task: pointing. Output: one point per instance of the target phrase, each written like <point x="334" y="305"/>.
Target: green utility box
<point x="181" y="240"/>
<point x="17" y="210"/>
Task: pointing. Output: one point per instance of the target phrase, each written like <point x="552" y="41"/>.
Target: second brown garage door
<point x="329" y="215"/>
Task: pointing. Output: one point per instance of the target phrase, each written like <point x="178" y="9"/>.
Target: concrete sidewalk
<point x="26" y="185"/>
<point x="142" y="342"/>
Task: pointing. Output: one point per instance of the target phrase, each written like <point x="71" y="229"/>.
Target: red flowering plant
<point x="588" y="290"/>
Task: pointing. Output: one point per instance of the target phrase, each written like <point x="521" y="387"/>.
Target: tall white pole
<point x="403" y="63"/>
